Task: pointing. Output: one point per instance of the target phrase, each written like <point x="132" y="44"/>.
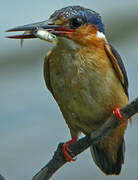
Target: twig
<point x="58" y="159"/>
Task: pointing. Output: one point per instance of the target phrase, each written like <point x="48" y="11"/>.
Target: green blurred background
<point x="31" y="123"/>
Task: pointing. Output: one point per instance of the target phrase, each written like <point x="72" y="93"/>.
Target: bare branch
<point x="58" y="159"/>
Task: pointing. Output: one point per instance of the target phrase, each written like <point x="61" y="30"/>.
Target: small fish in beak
<point x="41" y="34"/>
<point x="45" y="35"/>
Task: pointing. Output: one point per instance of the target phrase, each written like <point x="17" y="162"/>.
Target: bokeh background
<point x="31" y="124"/>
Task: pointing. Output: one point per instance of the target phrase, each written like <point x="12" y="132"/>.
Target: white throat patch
<point x="101" y="36"/>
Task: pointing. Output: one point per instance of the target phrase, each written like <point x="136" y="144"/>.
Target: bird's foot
<point x="65" y="149"/>
<point x="118" y="115"/>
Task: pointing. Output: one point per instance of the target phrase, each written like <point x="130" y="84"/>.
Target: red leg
<point x="65" y="149"/>
<point x="118" y="114"/>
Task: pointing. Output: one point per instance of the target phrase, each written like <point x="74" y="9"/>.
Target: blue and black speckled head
<point x="81" y="14"/>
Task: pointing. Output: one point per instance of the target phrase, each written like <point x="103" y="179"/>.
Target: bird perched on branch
<point x="87" y="78"/>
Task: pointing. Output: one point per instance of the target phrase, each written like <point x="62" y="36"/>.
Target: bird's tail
<point x="102" y="161"/>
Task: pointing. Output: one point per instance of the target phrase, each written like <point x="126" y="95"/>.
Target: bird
<point x="88" y="80"/>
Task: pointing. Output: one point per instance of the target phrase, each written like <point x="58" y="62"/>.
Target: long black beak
<point x="31" y="28"/>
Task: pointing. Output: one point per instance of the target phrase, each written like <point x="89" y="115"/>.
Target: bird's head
<point x="77" y="23"/>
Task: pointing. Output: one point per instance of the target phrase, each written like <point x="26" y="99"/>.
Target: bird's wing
<point x="47" y="73"/>
<point x="118" y="65"/>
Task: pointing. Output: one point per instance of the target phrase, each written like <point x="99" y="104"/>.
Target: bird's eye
<point x="76" y="22"/>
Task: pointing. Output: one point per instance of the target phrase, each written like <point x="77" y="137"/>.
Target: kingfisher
<point x="87" y="78"/>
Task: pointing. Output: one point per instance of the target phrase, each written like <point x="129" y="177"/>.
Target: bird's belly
<point x="81" y="110"/>
<point x="86" y="97"/>
<point x="79" y="102"/>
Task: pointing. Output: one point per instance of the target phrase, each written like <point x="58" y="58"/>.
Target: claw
<point x="66" y="149"/>
<point x="118" y="115"/>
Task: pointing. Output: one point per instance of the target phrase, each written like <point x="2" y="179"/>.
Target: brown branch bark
<point x="58" y="159"/>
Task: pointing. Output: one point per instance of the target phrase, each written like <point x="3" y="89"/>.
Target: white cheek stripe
<point x="101" y="36"/>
